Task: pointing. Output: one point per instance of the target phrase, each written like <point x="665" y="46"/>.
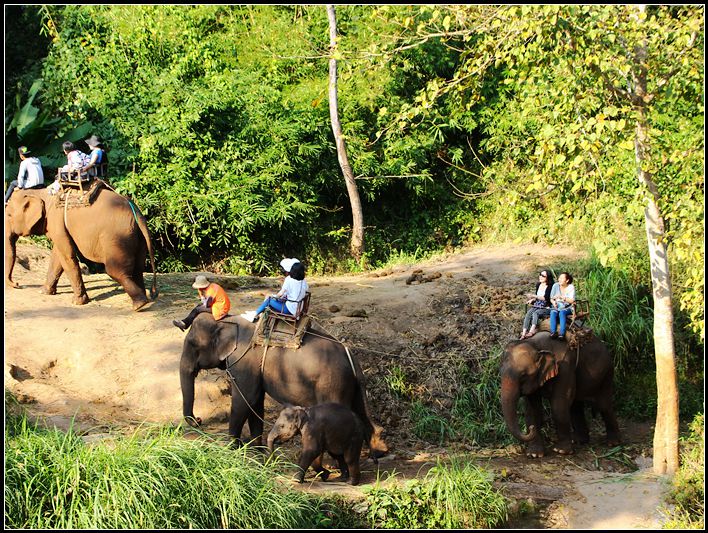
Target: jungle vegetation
<point x="463" y="124"/>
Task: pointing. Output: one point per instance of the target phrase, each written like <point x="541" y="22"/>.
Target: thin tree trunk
<point x="357" y="242"/>
<point x="666" y="430"/>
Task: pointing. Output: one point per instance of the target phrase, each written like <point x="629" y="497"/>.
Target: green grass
<point x="688" y="491"/>
<point x="397" y="382"/>
<point x="153" y="479"/>
<point x="451" y="496"/>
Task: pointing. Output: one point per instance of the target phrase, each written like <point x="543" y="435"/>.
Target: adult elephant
<point x="110" y="231"/>
<point x="543" y="367"/>
<point x="319" y="371"/>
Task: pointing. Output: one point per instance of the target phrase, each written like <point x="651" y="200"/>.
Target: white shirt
<point x="541" y="292"/>
<point x="294" y="291"/>
<point x="30" y="173"/>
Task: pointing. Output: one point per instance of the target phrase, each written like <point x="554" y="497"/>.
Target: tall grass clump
<point x="476" y="412"/>
<point x="475" y="416"/>
<point x="620" y="313"/>
<point x="154" y="479"/>
<point x="688" y="491"/>
<point x="457" y="495"/>
<point x="429" y="425"/>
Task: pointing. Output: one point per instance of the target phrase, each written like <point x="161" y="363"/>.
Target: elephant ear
<point x="548" y="365"/>
<point x="225" y="339"/>
<point x="301" y="415"/>
<point x="30" y="216"/>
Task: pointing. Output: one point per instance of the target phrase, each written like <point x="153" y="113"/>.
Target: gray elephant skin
<point x="544" y="367"/>
<point x="329" y="427"/>
<point x="108" y="232"/>
<point x="319" y="371"/>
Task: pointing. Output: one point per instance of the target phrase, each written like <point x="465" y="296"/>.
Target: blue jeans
<point x="273" y="303"/>
<point x="10" y="189"/>
<point x="555" y="318"/>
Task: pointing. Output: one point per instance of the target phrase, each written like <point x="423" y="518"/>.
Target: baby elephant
<point x="327" y="427"/>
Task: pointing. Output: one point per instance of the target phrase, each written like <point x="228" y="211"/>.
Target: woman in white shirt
<point x="294" y="289"/>
<point x="562" y="300"/>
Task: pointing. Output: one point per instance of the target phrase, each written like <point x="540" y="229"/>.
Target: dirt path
<point x="107" y="367"/>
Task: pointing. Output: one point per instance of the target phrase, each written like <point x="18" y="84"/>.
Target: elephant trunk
<point x="510" y="396"/>
<point x="186" y="379"/>
<point x="10" y="254"/>
<point x="272" y="439"/>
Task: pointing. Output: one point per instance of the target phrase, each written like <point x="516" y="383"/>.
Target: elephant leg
<point x="342" y="464"/>
<point x="63" y="260"/>
<point x="604" y="405"/>
<point x="122" y="271"/>
<point x="255" y="421"/>
<point x="54" y="272"/>
<point x="238" y="415"/>
<point x="138" y="274"/>
<point x="534" y="417"/>
<point x="561" y="419"/>
<point x="321" y="471"/>
<point x="581" y="434"/>
<point x="353" y="467"/>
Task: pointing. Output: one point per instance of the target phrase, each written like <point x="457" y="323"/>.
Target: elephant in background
<point x="543" y="367"/>
<point x="319" y="371"/>
<point x="110" y="231"/>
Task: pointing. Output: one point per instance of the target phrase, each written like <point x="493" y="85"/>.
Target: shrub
<point x="452" y="496"/>
<point x="688" y="492"/>
<point x="154" y="479"/>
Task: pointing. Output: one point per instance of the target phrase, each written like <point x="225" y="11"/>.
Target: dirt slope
<point x="106" y="366"/>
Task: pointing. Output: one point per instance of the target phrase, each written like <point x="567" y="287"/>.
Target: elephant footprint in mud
<point x="544" y="367"/>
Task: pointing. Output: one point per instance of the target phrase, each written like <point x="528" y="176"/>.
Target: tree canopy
<point x="462" y="123"/>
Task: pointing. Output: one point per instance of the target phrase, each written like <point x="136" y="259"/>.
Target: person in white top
<point x="292" y="292"/>
<point x="30" y="175"/>
<point x="562" y="300"/>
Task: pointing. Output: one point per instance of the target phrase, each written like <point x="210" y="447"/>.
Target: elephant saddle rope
<point x="272" y="331"/>
<point x="577" y="337"/>
<point x="69" y="197"/>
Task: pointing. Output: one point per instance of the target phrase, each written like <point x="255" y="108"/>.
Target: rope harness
<point x="262" y="363"/>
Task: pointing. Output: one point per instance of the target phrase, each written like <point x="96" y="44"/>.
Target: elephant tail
<point x="373" y="433"/>
<point x="142" y="224"/>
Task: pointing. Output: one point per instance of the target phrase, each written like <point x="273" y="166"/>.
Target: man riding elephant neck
<point x="214" y="300"/>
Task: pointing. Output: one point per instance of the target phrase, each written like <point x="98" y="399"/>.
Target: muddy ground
<point x="107" y="367"/>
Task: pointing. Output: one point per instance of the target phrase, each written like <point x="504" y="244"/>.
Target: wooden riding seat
<point x="70" y="197"/>
<point x="284" y="329"/>
<point x="75" y="179"/>
<point x="576" y="320"/>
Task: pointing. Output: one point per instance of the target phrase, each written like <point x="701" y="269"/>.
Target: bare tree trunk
<point x="666" y="430"/>
<point x="357" y="242"/>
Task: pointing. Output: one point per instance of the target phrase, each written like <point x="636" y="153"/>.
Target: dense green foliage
<point x="458" y="119"/>
<point x="457" y="495"/>
<point x="463" y="123"/>
<point x="688" y="491"/>
<point x="154" y="479"/>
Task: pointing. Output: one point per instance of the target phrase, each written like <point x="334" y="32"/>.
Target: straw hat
<point x="94" y="141"/>
<point x="200" y="283"/>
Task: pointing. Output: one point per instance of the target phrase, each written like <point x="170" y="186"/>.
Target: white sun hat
<point x="288" y="263"/>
